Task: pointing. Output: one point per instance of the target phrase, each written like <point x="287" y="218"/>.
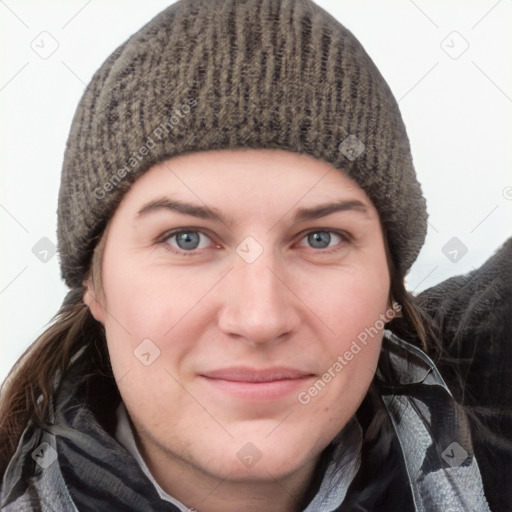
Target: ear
<point x="91" y="299"/>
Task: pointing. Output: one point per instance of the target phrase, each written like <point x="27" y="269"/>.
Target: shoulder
<point x="478" y="303"/>
<point x="473" y="315"/>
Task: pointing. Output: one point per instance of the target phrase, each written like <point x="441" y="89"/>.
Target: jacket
<point x="473" y="313"/>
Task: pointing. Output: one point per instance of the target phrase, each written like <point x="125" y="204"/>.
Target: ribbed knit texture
<point x="218" y="74"/>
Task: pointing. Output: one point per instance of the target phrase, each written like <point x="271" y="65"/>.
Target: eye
<point x="320" y="239"/>
<point x="186" y="240"/>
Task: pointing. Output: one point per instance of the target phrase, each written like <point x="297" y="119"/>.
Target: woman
<point x="238" y="209"/>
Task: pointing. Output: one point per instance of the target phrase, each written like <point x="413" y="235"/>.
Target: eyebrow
<point x="206" y="212"/>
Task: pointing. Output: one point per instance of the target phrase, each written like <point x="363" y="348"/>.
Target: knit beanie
<point x="225" y="74"/>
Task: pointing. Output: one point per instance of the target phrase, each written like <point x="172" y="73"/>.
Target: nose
<point x="259" y="304"/>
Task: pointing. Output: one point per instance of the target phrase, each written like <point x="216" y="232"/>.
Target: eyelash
<point x="345" y="238"/>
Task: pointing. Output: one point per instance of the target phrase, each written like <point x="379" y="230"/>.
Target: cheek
<point x="349" y="356"/>
<point x="137" y="309"/>
<point x="353" y="303"/>
<point x="140" y="299"/>
<point x="354" y="307"/>
<point x="152" y="303"/>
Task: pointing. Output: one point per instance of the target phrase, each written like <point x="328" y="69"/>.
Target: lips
<point x="256" y="385"/>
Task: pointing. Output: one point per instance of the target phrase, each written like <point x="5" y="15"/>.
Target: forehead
<point x="270" y="178"/>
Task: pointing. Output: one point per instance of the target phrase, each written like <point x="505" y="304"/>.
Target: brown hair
<point x="26" y="392"/>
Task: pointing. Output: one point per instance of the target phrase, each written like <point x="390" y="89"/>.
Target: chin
<point x="263" y="470"/>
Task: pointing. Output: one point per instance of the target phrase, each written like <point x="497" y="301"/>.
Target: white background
<point x="458" y="113"/>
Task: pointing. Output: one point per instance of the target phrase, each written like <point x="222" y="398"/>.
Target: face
<point x="237" y="307"/>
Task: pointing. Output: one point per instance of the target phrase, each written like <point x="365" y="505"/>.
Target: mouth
<point x="257" y="385"/>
